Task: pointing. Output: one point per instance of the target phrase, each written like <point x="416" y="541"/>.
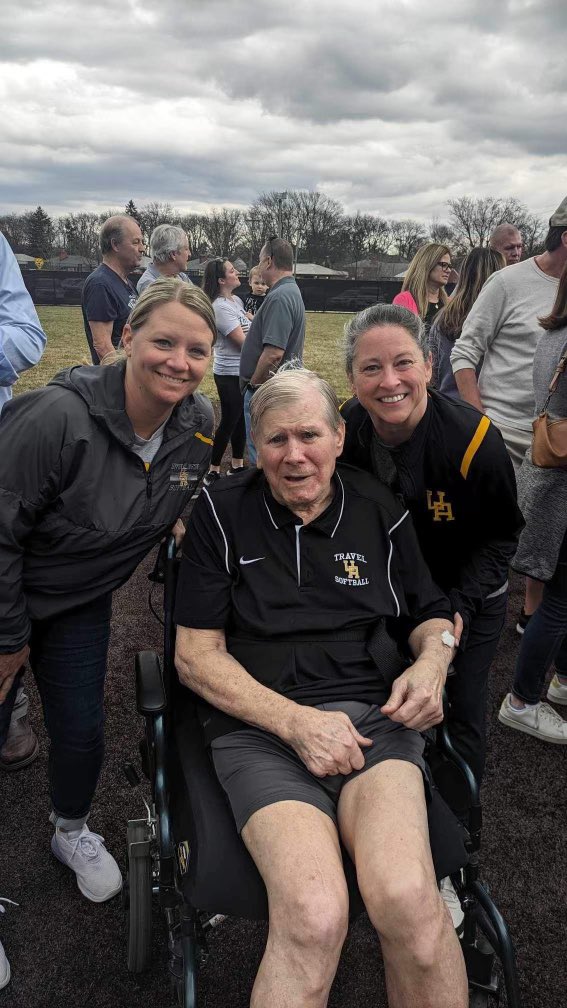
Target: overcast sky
<point x="389" y="107"/>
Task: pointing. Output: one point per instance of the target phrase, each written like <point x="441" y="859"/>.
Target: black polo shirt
<point x="298" y="603"/>
<point x="106" y="297"/>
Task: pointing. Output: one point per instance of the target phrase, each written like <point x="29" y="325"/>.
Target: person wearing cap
<point x="500" y="334"/>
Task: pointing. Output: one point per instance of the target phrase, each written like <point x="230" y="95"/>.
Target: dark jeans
<point x="252" y="457"/>
<point x="68" y="656"/>
<point x="232" y="419"/>
<point x="544" y="640"/>
<point x="467" y="688"/>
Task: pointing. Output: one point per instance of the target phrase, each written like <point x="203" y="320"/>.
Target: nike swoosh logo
<point x="255" y="560"/>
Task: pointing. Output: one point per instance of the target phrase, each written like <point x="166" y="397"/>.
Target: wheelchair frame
<point x="156" y="862"/>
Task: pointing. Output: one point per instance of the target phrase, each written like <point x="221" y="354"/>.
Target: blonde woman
<point x="112" y="455"/>
<point x="423" y="290"/>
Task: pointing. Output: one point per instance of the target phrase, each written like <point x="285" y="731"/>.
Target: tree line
<point x="315" y="224"/>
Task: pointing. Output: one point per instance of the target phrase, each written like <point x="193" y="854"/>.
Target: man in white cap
<point x="501" y="333"/>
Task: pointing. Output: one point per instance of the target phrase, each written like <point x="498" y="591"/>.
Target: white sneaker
<point x="98" y="875"/>
<point x="540" y="720"/>
<point x="557" y="692"/>
<point x="453" y="904"/>
<point x="4" y="964"/>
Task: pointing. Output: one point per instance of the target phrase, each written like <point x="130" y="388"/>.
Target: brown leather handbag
<point x="549" y="442"/>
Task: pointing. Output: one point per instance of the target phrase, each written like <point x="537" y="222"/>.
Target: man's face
<point x="266" y="265"/>
<point x="181" y="257"/>
<point x="510" y="245"/>
<point x="298" y="449"/>
<point x="130" y="249"/>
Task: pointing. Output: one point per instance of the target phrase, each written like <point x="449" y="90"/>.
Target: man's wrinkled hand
<point x="10" y="665"/>
<point x="327" y="741"/>
<point x="416" y="700"/>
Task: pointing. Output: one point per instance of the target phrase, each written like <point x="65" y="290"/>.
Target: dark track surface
<point x="65" y="951"/>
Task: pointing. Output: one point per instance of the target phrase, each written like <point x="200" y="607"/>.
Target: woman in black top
<point x="451" y="467"/>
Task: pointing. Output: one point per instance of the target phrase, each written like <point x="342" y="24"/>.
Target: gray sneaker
<point x="541" y="720"/>
<point x="4" y="964"/>
<point x="98" y="875"/>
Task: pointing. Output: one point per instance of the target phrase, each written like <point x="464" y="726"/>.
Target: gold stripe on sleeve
<point x="202" y="437"/>
<point x="478" y="438"/>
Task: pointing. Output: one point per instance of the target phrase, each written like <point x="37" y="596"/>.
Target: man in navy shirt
<point x="108" y="296"/>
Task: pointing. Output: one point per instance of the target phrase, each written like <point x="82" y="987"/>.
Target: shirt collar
<point x="327" y="522"/>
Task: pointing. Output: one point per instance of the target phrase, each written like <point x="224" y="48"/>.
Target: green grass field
<point x="66" y="345"/>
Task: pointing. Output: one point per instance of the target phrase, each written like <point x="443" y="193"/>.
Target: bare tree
<point x="153" y="214"/>
<point x="407" y="236"/>
<point x="195" y="227"/>
<point x="13" y="227"/>
<point x="78" y="234"/>
<point x="442" y="233"/>
<point x="224" y="230"/>
<point x="473" y="220"/>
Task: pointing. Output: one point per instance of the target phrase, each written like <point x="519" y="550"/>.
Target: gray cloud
<point x="388" y="107"/>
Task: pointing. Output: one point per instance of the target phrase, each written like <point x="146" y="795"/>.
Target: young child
<point x="257" y="293"/>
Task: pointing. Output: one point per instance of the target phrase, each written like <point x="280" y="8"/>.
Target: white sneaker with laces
<point x="4" y="964"/>
<point x="557" y="692"/>
<point x="453" y="904"/>
<point x="98" y="875"/>
<point x="540" y="720"/>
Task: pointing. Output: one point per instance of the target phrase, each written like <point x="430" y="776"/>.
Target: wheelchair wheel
<point x="139" y="896"/>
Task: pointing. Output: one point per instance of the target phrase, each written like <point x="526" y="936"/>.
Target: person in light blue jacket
<point x="22" y="340"/>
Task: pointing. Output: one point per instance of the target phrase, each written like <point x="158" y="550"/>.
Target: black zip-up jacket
<point x="78" y="508"/>
<point x="457" y="480"/>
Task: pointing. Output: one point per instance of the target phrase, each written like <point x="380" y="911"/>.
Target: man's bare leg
<point x="296" y="849"/>
<point x="383" y="823"/>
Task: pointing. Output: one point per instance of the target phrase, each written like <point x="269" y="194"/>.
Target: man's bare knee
<point x="406" y="906"/>
<point x="313" y="919"/>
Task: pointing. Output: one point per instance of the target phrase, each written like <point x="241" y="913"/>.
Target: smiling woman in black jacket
<point x="94" y="469"/>
<point x="451" y="467"/>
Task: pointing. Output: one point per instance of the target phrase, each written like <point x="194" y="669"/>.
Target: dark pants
<point x="544" y="640"/>
<point x="232" y="419"/>
<point x="68" y="655"/>
<point x="467" y="688"/>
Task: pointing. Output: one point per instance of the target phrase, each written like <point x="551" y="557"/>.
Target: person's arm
<point x="491" y="485"/>
<point x="326" y="741"/>
<point x="467" y="385"/>
<point x="416" y="699"/>
<point x="22" y="340"/>
<point x="268" y="363"/>
<point x="33" y="430"/>
<point x="237" y="335"/>
<point x="479" y="330"/>
<point x="102" y="338"/>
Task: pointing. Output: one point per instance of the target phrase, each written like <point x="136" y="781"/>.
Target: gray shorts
<point x="257" y="769"/>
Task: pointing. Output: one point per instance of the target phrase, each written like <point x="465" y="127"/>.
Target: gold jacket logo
<point x="441" y="508"/>
<point x="182" y="475"/>
<point x="351" y="565"/>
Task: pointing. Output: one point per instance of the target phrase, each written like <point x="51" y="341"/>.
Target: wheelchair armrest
<point x="150" y="692"/>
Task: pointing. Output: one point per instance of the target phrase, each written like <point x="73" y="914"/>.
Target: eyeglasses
<point x="445" y="266"/>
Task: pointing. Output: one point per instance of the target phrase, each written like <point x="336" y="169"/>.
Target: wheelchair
<point x="186" y="857"/>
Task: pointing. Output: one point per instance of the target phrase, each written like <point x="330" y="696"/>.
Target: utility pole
<point x="281" y="198"/>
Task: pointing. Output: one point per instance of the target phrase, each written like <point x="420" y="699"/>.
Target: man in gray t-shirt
<point x="277" y="332"/>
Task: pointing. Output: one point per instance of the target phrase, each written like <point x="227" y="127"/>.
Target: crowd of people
<point x="351" y="564"/>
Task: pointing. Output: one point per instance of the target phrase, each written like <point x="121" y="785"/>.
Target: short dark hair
<point x="280" y="251"/>
<point x="553" y="238"/>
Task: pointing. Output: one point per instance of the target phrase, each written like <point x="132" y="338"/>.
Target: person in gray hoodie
<point x="95" y="468"/>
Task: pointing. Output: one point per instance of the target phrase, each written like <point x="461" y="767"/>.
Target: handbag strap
<point x="553" y="383"/>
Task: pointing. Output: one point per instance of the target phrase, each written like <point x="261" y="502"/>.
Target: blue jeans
<point x="68" y="655"/>
<point x="544" y="641"/>
<point x="252" y="457"/>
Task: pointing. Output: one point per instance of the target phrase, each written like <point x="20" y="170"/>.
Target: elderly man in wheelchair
<point x="301" y="586"/>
